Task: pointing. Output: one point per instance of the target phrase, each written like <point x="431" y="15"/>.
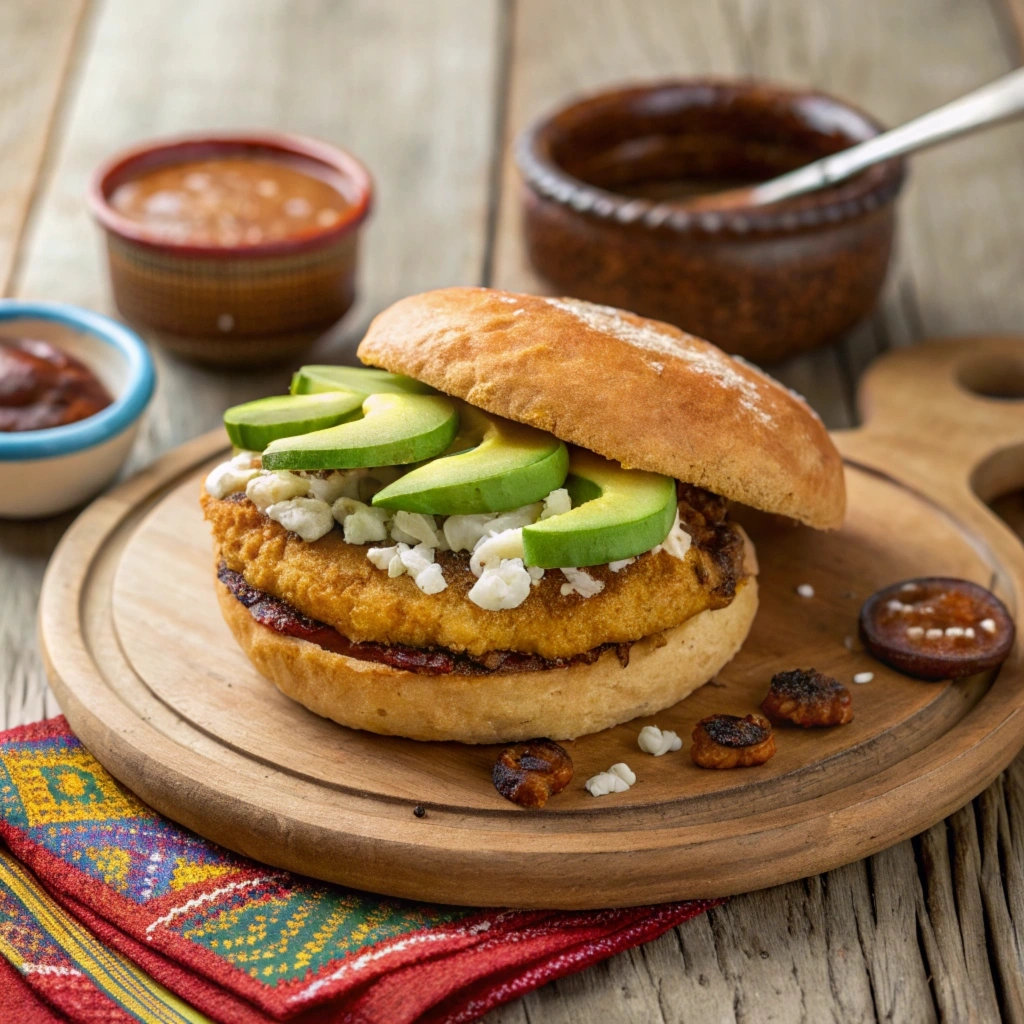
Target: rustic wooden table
<point x="430" y="96"/>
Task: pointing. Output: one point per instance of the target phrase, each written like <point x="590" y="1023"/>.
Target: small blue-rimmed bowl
<point x="43" y="472"/>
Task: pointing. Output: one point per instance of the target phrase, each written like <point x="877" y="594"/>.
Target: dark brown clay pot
<point x="603" y="219"/>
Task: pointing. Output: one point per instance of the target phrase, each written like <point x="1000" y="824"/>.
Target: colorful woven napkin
<point x="110" y="913"/>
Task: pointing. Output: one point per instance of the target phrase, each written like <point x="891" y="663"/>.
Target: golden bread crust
<point x="499" y="707"/>
<point x="631" y="389"/>
<point x="336" y="583"/>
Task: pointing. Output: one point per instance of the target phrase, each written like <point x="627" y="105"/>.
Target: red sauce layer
<point x="41" y="386"/>
<point x="281" y="617"/>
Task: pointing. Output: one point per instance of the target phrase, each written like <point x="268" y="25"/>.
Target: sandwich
<point x="512" y="522"/>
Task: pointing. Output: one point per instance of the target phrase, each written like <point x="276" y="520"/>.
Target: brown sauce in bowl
<point x="230" y="201"/>
<point x="42" y="386"/>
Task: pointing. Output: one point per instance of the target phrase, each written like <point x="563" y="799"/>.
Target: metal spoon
<point x="998" y="101"/>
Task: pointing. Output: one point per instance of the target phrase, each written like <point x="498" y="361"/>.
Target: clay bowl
<point x="603" y="180"/>
<point x="238" y="305"/>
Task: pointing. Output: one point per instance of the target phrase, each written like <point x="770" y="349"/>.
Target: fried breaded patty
<point x="336" y="583"/>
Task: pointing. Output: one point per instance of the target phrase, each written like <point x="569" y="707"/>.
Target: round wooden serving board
<point x="152" y="681"/>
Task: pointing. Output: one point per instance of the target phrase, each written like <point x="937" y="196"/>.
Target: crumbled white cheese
<point x="617" y="779"/>
<point x="621" y="564"/>
<point x="361" y="523"/>
<point x="396" y="567"/>
<point x="269" y="488"/>
<point x="495" y="548"/>
<point x="431" y="580"/>
<point x="556" y="503"/>
<point x="381" y="557"/>
<point x="329" y="488"/>
<point x="227" y="478"/>
<point x="933" y="634"/>
<point x="678" y="541"/>
<point x="989" y="625"/>
<point x="536" y="574"/>
<point x="518" y="517"/>
<point x="501" y="587"/>
<point x="417" y="528"/>
<point x="863" y="677"/>
<point x="310" y="518"/>
<point x="245" y="459"/>
<point x="805" y="590"/>
<point x="915" y="632"/>
<point x="417" y="561"/>
<point x="653" y="740"/>
<point x="364" y="527"/>
<point x="464" y="532"/>
<point x="580" y="583"/>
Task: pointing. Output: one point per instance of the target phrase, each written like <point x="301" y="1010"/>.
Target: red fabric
<point x="18" y="1003"/>
<point x="445" y="992"/>
<point x="435" y="971"/>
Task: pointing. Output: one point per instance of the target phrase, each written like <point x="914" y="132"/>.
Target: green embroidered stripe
<point x="115" y="976"/>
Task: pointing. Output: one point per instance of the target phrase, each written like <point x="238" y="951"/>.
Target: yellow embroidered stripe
<point x="115" y="976"/>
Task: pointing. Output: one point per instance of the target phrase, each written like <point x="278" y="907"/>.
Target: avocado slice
<point x="253" y="425"/>
<point x="510" y="465"/>
<point x="395" y="429"/>
<point x="617" y="513"/>
<point x="309" y="380"/>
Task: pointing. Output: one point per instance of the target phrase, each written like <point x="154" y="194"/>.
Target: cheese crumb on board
<point x="617" y="779"/>
<point x="653" y="740"/>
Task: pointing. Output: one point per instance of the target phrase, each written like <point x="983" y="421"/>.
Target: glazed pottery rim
<point x="116" y="169"/>
<point x="127" y="407"/>
<point x="872" y="189"/>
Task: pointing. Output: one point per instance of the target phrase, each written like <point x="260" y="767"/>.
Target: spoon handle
<point x="997" y="101"/>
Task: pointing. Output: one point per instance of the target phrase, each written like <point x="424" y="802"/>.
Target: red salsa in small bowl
<point x="42" y="386"/>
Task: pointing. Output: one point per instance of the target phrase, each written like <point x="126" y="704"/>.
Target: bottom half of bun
<point x="498" y="707"/>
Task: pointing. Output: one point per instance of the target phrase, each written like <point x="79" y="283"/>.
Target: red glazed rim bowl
<point x="593" y="118"/>
<point x="344" y="172"/>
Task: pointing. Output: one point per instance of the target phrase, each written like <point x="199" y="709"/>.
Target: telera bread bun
<point x="513" y="524"/>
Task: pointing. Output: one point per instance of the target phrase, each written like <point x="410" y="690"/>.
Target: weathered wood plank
<point x="36" y="42"/>
<point x="408" y="88"/>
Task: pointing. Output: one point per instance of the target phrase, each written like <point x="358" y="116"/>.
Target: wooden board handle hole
<point x="994" y="376"/>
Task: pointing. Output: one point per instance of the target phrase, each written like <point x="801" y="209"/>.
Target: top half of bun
<point x="638" y="391"/>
